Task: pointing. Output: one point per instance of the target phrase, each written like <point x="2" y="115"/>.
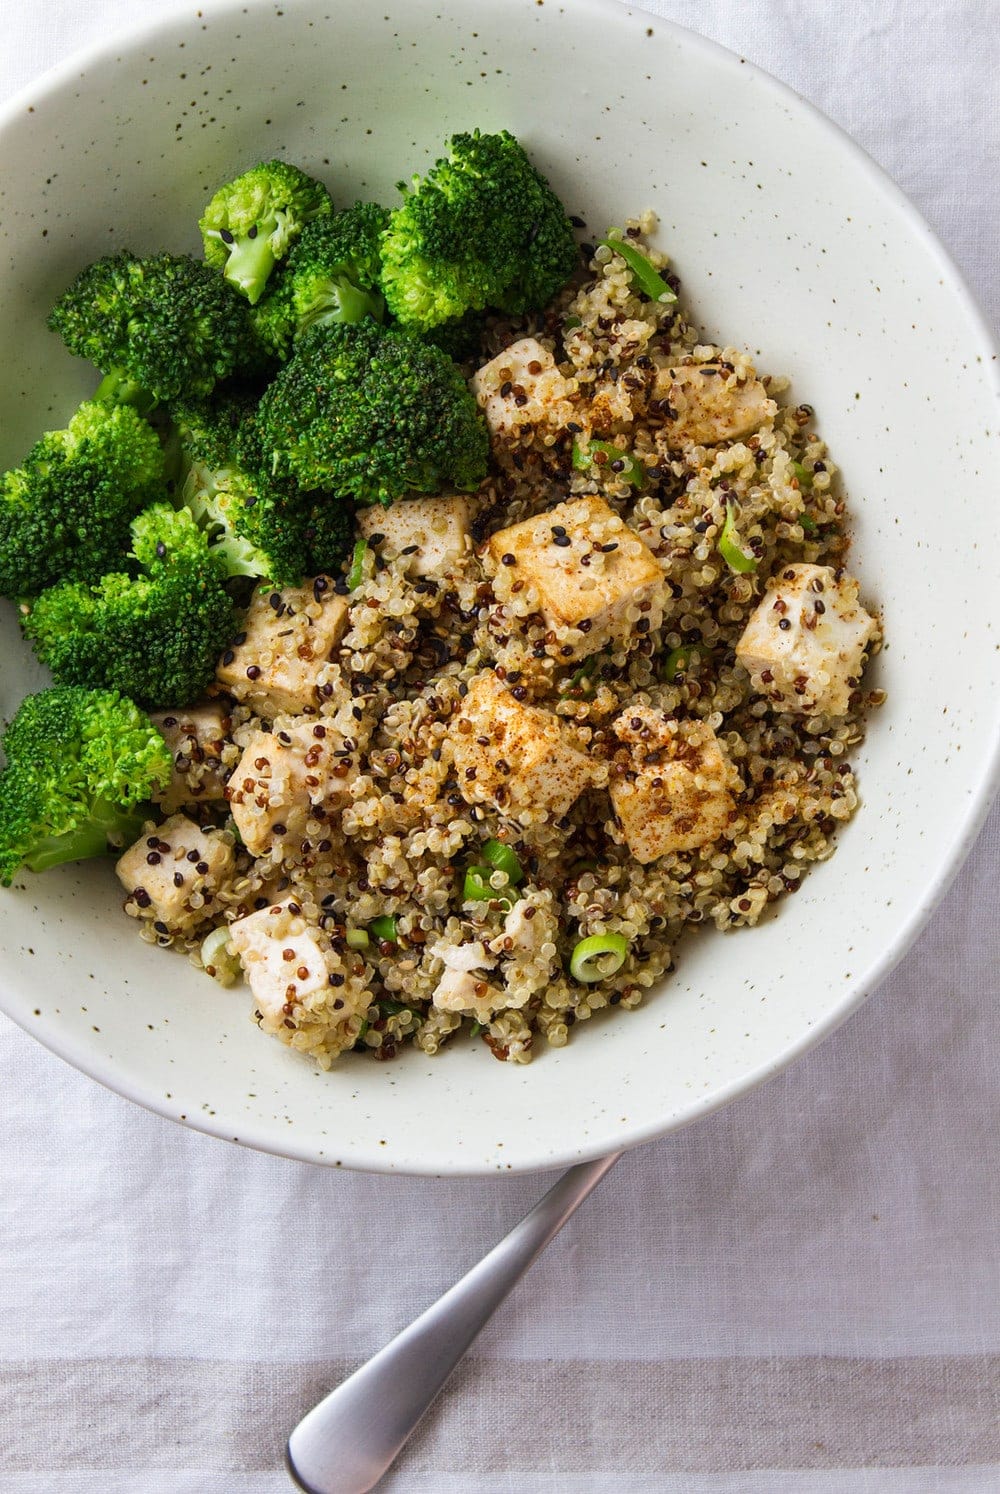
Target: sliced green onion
<point x="649" y="280"/>
<point x="571" y="322"/>
<point x="632" y="472"/>
<point x="384" y="930"/>
<point x="502" y="858"/>
<point x="678" y="661"/>
<point x="357" y="939"/>
<point x="729" y="545"/>
<point x="803" y="474"/>
<point x="581" y="679"/>
<point x="356" y="574"/>
<point x="221" y="963"/>
<point x="475" y="1029"/>
<point x="598" y="957"/>
<point x="476" y="887"/>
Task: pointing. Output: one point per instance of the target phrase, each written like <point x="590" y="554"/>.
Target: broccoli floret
<point x="251" y="222"/>
<point x="482" y="228"/>
<point x="65" y="512"/>
<point x="157" y="635"/>
<point x="256" y="526"/>
<point x="79" y="762"/>
<point x="369" y="413"/>
<point x="331" y="275"/>
<point x="157" y="327"/>
<point x="461" y="340"/>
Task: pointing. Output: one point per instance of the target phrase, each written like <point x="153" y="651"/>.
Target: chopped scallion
<point x="631" y="471"/>
<point x="678" y="661"/>
<point x="357" y="939"/>
<point x="384" y="930"/>
<point x="356" y="574"/>
<point x="598" y="957"/>
<point x="648" y="279"/>
<point x="803" y="474"/>
<point x="808" y="524"/>
<point x="729" y="546"/>
<point x="503" y="859"/>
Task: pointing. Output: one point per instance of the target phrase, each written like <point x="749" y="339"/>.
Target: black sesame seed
<point x="608" y="548"/>
<point x="161" y="549"/>
<point x="784" y="624"/>
<point x="562" y="540"/>
<point x="509" y="559"/>
<point x="225" y="236"/>
<point x="279" y="829"/>
<point x="252" y="232"/>
<point x="202" y="868"/>
<point x="178" y="879"/>
<point x="153" y="858"/>
<point x="228" y="656"/>
<point x="194" y="856"/>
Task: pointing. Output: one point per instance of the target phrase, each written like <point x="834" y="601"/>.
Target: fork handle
<point x="346" y="1443"/>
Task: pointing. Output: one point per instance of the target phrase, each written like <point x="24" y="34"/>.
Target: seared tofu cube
<point x="522" y="387"/>
<point x="299" y="770"/>
<point x="307" y="992"/>
<point x="708" y="403"/>
<point x="424" y="536"/>
<point x="805" y="644"/>
<point x="515" y="756"/>
<point x="173" y="873"/>
<point x="595" y="579"/>
<point x="279" y="659"/>
<point x="197" y="737"/>
<point x="673" y="791"/>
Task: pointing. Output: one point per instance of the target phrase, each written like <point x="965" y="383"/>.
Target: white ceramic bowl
<point x="790" y="242"/>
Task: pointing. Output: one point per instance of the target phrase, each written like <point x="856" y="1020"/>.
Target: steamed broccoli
<point x="79" y="762"/>
<point x="157" y="635"/>
<point x="65" y="512"/>
<point x="157" y="327"/>
<point x="482" y="228"/>
<point x="255" y="526"/>
<point x="331" y="275"/>
<point x="251" y="222"/>
<point x="369" y="413"/>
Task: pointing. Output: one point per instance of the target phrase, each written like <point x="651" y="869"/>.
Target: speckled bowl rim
<point x="981" y="794"/>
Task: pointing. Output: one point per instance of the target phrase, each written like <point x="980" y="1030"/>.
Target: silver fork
<point x="348" y="1441"/>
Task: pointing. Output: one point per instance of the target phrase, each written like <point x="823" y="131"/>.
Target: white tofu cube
<point x="708" y="404"/>
<point x="277" y="662"/>
<point x="673" y="792"/>
<point x="285" y="777"/>
<point x="306" y="992"/>
<point x="515" y="756"/>
<point x="170" y="864"/>
<point x="463" y="986"/>
<point x="595" y="579"/>
<point x="522" y="387"/>
<point x="196" y="736"/>
<point x="424" y="536"/>
<point x="805" y="643"/>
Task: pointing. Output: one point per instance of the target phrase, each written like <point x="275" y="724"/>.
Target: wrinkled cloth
<point x="798" y="1295"/>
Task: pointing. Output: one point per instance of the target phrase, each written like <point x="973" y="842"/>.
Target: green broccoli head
<point x="251" y="222"/>
<point x="65" y="512"/>
<point x="331" y="275"/>
<point x="157" y="634"/>
<point x="368" y="413"/>
<point x="157" y="327"/>
<point x="255" y="526"/>
<point x="79" y="762"/>
<point x="480" y="227"/>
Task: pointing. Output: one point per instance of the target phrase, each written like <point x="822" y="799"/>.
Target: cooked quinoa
<point x="640" y="672"/>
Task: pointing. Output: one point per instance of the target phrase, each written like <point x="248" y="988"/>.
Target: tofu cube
<point x="463" y="986"/>
<point x="287" y="639"/>
<point x="307" y="992"/>
<point x="594" y="577"/>
<point x="522" y="387"/>
<point x="168" y="865"/>
<point x="708" y="404"/>
<point x="805" y="643"/>
<point x="425" y="536"/>
<point x="285" y="777"/>
<point x="515" y="756"/>
<point x="675" y="790"/>
<point x="196" y="736"/>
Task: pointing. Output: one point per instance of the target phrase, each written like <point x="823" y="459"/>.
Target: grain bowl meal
<point x="439" y="627"/>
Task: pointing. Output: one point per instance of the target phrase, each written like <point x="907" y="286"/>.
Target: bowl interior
<point x="790" y="243"/>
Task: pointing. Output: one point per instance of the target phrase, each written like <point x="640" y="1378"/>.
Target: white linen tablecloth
<point x="796" y="1296"/>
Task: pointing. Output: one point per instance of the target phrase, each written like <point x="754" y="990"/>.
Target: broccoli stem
<point x="341" y="302"/>
<point x="106" y="825"/>
<point x="251" y="261"/>
<point x="117" y="388"/>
